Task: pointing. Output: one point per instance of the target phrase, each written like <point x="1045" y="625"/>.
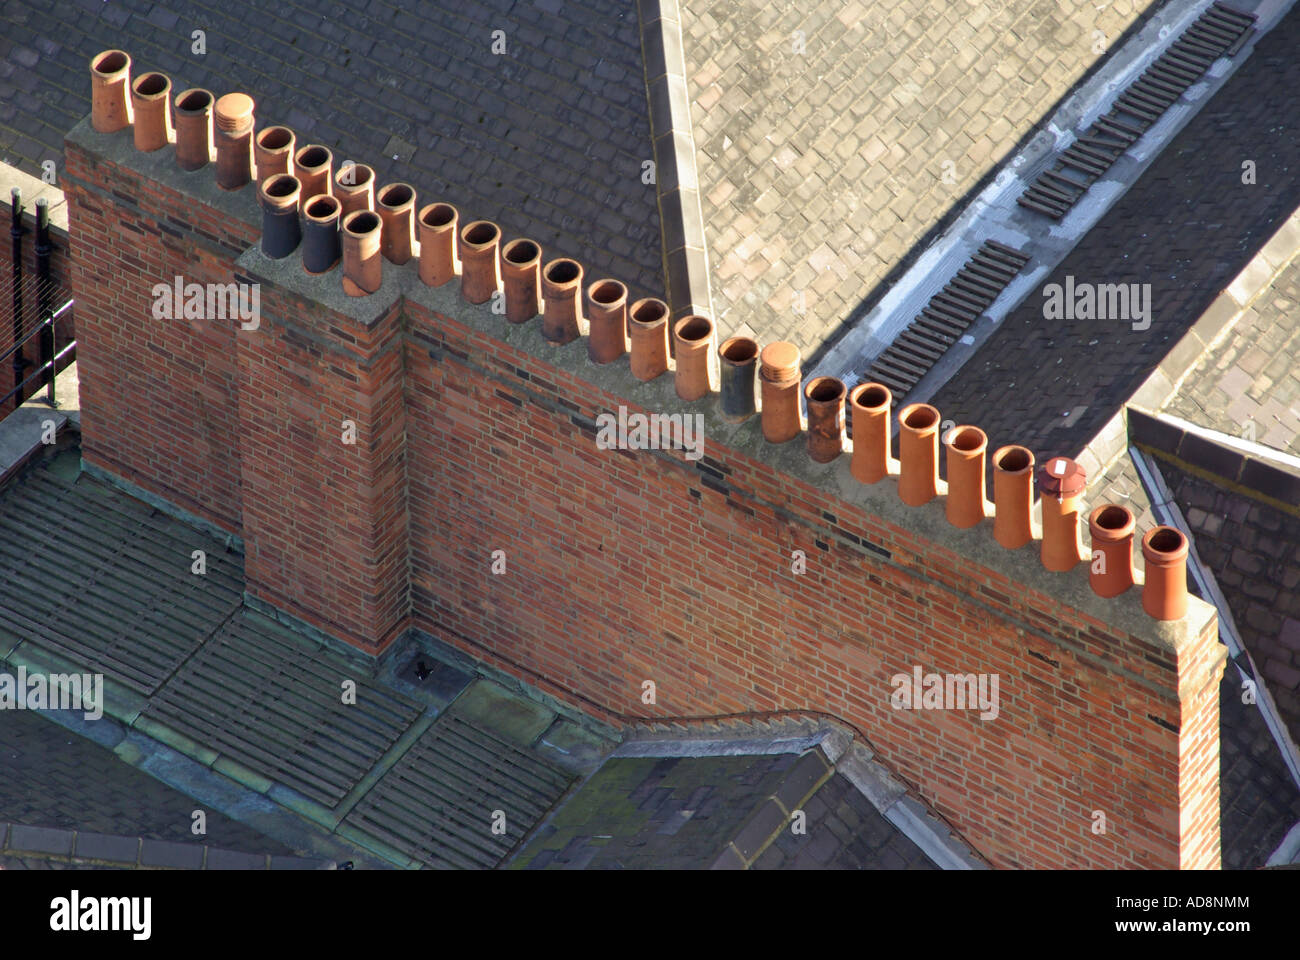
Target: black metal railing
<point x="39" y="319"/>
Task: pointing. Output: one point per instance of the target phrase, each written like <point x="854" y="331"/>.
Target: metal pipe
<point x="16" y="236"/>
<point x="44" y="293"/>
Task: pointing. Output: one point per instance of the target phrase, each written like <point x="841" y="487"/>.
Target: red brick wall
<point x="162" y="395"/>
<point x="324" y="520"/>
<point x="621" y="566"/>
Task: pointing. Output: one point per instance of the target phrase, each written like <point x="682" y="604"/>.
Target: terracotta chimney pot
<point x="965" y="447"/>
<point x="779" y="376"/>
<point x="694" y="337"/>
<point x="151" y="103"/>
<point x="1061" y="483"/>
<point x="918" y="454"/>
<point x="1111" y="528"/>
<point x="312" y="166"/>
<point x="480" y="276"/>
<point x="1013" y="496"/>
<point x="354" y="185"/>
<point x="273" y="151"/>
<point x="395" y="204"/>
<point x="363" y="264"/>
<point x="870" y="403"/>
<point x="649" y="336"/>
<point x="562" y="295"/>
<point x="521" y="274"/>
<point x="1164" y="594"/>
<point x="110" y="91"/>
<point x="825" y="396"/>
<point x="438" y="261"/>
<point x="194" y="129"/>
<point x="233" y="123"/>
<point x="607" y="315"/>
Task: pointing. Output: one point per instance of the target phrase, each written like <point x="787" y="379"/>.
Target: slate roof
<point x="1253" y="374"/>
<point x="1186" y="227"/>
<point x="693" y="812"/>
<point x="247" y="697"/>
<point x="548" y="139"/>
<point x="52" y="778"/>
<point x="822" y="154"/>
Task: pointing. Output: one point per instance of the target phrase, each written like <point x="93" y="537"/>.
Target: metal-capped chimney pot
<point x="779" y="376"/>
<point x="607" y="321"/>
<point x="194" y="128"/>
<point x="825" y="396"/>
<point x="321" y="246"/>
<point x="521" y="275"/>
<point x="279" y="197"/>
<point x="1061" y="483"/>
<point x="869" y="404"/>
<point x="1111" y="528"/>
<point x="233" y="122"/>
<point x="438" y="260"/>
<point x="1164" y="594"/>
<point x="354" y="185"/>
<point x="562" y="300"/>
<point x="739" y="378"/>
<point x="313" y="165"/>
<point x="1013" y="496"/>
<point x="964" y="451"/>
<point x="273" y="151"/>
<point x="479" y="272"/>
<point x="110" y="91"/>
<point x="694" y="339"/>
<point x="395" y="204"/>
<point x="648" y="328"/>
<point x="363" y="264"/>
<point x="918" y="454"/>
<point x="151" y="103"/>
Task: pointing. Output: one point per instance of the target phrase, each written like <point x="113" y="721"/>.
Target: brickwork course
<point x="834" y="138"/>
<point x="1187" y="227"/>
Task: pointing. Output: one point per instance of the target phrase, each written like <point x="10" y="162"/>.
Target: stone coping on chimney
<point x="160" y="166"/>
<point x="929" y="522"/>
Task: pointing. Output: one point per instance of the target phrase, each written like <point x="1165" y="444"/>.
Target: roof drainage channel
<point x="1219" y="32"/>
<point x="995" y="214"/>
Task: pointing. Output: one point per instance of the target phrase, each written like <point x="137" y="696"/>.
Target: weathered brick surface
<point x="624" y="567"/>
<point x="325" y="520"/>
<point x="163" y="393"/>
<point x="621" y="566"/>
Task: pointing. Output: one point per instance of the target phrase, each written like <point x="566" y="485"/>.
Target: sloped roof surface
<point x="1253" y="376"/>
<point x="50" y="777"/>
<point x="832" y="137"/>
<point x="546" y="139"/>
<point x="1186" y="227"/>
<point x="683" y="812"/>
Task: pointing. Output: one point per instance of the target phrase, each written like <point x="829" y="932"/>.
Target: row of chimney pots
<point x="335" y="215"/>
